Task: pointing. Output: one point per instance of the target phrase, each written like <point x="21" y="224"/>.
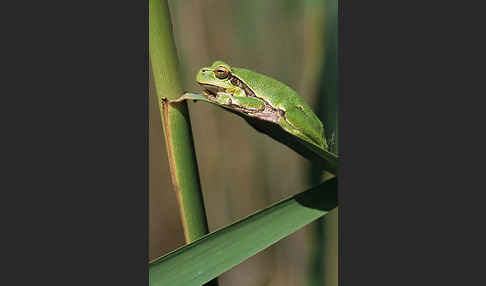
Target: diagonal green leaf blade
<point x="327" y="160"/>
<point x="219" y="251"/>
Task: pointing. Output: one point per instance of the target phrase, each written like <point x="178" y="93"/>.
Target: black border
<point x="401" y="124"/>
<point x="77" y="162"/>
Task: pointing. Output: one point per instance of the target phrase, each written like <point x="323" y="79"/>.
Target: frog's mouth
<point x="211" y="90"/>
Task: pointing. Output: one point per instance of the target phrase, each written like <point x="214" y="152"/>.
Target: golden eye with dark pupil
<point x="221" y="72"/>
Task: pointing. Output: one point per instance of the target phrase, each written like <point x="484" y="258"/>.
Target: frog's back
<point x="281" y="94"/>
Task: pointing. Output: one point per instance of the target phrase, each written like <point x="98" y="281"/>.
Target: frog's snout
<point x="205" y="71"/>
<point x="203" y="75"/>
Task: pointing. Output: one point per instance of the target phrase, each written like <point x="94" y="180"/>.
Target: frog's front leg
<point x="222" y="98"/>
<point x="225" y="97"/>
<point x="236" y="91"/>
<point x="240" y="102"/>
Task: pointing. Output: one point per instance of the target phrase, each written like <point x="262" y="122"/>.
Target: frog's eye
<point x="221" y="72"/>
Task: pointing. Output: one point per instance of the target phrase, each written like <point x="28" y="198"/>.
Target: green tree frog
<point x="262" y="97"/>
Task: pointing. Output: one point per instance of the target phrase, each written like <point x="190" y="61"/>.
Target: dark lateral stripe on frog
<point x="238" y="83"/>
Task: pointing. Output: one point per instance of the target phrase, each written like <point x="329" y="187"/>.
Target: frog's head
<point x="215" y="78"/>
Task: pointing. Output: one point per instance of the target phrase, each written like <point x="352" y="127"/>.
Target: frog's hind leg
<point x="292" y="130"/>
<point x="305" y="134"/>
<point x="308" y="124"/>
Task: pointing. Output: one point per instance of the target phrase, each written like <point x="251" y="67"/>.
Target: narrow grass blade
<point x="219" y="251"/>
<point x="325" y="159"/>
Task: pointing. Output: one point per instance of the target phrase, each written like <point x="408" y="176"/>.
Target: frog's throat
<point x="212" y="89"/>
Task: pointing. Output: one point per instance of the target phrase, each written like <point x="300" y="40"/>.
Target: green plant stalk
<point x="176" y="122"/>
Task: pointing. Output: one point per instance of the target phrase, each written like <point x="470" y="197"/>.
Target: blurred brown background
<point x="243" y="171"/>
